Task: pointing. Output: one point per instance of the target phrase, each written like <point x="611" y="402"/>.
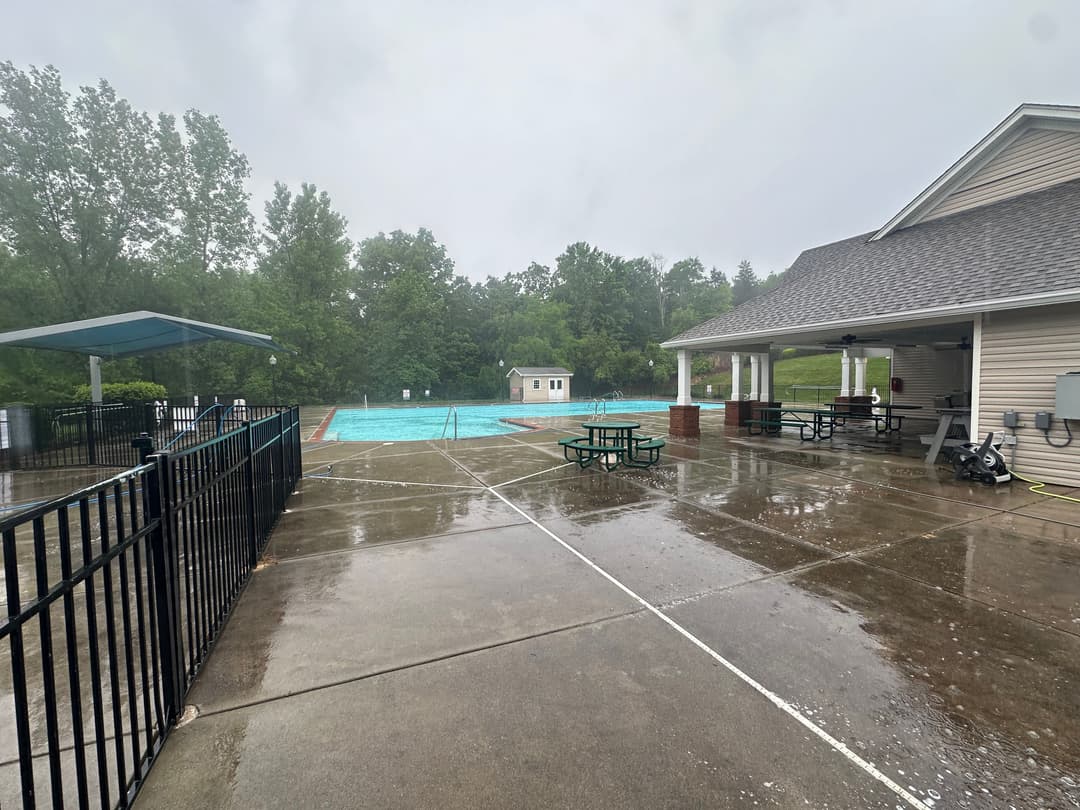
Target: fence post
<point x="91" y="439"/>
<point x="158" y="485"/>
<point x="253" y="540"/>
<point x="283" y="483"/>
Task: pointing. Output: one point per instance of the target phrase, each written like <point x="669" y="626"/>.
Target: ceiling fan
<point x="963" y="345"/>
<point x="846" y="342"/>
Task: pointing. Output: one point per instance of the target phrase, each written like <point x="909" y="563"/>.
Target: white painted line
<point x="397" y="483"/>
<point x="533" y="475"/>
<point x="772" y="697"/>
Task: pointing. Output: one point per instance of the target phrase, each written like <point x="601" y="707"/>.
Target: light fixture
<point x="273" y="360"/>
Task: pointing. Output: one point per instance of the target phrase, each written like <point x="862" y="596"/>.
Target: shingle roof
<point x="539" y="371"/>
<point x="1021" y="246"/>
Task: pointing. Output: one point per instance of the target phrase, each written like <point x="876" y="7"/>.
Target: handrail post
<point x="282" y="482"/>
<point x="160" y="511"/>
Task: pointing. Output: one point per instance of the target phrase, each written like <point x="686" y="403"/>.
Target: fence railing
<point x="40" y="436"/>
<point x="115" y="595"/>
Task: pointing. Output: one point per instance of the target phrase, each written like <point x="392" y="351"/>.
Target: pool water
<point x="420" y="423"/>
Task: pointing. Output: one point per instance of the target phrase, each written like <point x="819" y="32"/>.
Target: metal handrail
<point x="451" y="410"/>
<point x="194" y="423"/>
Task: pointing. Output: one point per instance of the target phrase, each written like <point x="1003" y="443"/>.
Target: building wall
<point x="927" y="373"/>
<point x="542" y="394"/>
<point x="515" y="382"/>
<point x="1037" y="159"/>
<point x="1023" y="351"/>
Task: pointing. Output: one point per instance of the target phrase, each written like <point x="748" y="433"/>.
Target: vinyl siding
<point x="542" y="394"/>
<point x="1037" y="159"/>
<point x="927" y="373"/>
<point x="1023" y="351"/>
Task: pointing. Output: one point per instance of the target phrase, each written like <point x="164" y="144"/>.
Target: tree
<point x="303" y="298"/>
<point x="745" y="285"/>
<point x="83" y="187"/>
<point x="405" y="282"/>
<point x="211" y="228"/>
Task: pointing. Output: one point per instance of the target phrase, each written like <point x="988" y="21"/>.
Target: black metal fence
<point x="115" y="595"/>
<point x="40" y="436"/>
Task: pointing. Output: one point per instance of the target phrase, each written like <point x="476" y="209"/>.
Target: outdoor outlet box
<point x="1012" y="419"/>
<point x="1067" y="405"/>
<point x="1042" y="420"/>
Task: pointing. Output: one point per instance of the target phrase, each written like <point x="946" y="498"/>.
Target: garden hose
<point x="1037" y="489"/>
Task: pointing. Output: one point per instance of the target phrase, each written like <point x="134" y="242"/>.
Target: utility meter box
<point x="1067" y="405"/>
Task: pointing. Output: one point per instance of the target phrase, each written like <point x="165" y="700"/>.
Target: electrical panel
<point x="1012" y="419"/>
<point x="1042" y="420"/>
<point x="1067" y="405"/>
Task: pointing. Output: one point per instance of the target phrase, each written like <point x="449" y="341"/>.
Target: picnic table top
<point x="883" y="405"/>
<point x="785" y="409"/>
<point x="612" y="425"/>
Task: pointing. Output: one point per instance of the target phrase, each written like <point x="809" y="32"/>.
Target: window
<point x="536" y="384"/>
<point x="555" y="385"/>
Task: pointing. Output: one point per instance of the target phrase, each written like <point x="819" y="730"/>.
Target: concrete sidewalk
<point x="439" y="643"/>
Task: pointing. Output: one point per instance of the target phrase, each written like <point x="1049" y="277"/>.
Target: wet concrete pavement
<point x="416" y="639"/>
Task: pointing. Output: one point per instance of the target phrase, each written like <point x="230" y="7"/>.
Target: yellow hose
<point x="1037" y="489"/>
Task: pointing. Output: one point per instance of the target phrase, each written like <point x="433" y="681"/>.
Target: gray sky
<point x="725" y="130"/>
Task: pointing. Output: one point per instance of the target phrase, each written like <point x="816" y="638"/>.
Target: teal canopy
<point x="129" y="334"/>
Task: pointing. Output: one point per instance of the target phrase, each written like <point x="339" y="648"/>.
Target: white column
<point x="755" y="376"/>
<point x="736" y="375"/>
<point x="845" y="375"/>
<point x="766" y="377"/>
<point x="95" y="379"/>
<point x="860" y="377"/>
<point x="976" y="375"/>
<point x="684" y="377"/>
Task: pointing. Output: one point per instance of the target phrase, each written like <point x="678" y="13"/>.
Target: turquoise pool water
<point x="420" y="423"/>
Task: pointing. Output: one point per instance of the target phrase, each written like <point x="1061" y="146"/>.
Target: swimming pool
<point x="420" y="423"/>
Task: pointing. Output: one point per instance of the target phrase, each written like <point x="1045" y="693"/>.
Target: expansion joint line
<point x="867" y="767"/>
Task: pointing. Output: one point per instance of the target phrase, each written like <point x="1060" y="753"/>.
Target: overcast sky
<point x="725" y="130"/>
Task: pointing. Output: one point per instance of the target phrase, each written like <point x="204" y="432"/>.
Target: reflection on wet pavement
<point x="456" y="654"/>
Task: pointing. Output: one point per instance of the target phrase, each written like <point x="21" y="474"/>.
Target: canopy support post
<point x="95" y="379"/>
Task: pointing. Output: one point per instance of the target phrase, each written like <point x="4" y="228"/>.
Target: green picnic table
<point x="614" y="444"/>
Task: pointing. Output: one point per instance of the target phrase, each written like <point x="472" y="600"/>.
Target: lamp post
<point x="501" y="364"/>
<point x="273" y="379"/>
<point x="651" y="381"/>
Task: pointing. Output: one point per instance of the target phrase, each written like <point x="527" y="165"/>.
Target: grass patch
<point x="818" y="369"/>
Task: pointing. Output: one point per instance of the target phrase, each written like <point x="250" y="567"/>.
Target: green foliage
<point x="799" y="368"/>
<point x="135" y="391"/>
<point x="105" y="208"/>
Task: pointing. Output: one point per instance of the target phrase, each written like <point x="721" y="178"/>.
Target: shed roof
<point x="130" y="333"/>
<point x="540" y="371"/>
<point x="1023" y="251"/>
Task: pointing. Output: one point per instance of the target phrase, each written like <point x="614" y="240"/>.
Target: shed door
<point x="555" y="390"/>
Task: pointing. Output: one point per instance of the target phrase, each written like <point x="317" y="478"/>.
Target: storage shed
<point x="546" y="384"/>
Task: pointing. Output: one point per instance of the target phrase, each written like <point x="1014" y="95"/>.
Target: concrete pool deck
<point x="752" y="622"/>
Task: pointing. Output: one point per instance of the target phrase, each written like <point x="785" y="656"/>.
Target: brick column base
<point x="684" y="420"/>
<point x="736" y="412"/>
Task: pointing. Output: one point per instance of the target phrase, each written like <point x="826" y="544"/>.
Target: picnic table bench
<point x="614" y="444"/>
<point x="882" y="414"/>
<point x="817" y="421"/>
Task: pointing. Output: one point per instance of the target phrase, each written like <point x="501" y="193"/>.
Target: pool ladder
<point x="599" y="407"/>
<point x="451" y="412"/>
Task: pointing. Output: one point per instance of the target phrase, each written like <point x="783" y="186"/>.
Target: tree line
<point x="107" y="209"/>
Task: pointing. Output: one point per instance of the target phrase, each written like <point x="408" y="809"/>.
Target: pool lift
<point x="980" y="462"/>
